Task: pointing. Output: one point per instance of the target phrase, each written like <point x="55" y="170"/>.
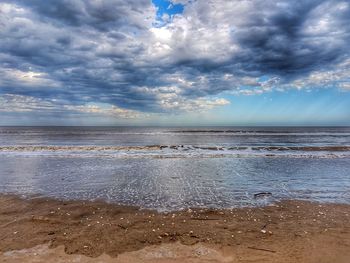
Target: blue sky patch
<point x="165" y="7"/>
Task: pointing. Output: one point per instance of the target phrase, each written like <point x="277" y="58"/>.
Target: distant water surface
<point x="174" y="168"/>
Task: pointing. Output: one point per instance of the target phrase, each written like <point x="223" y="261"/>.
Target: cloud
<point x="11" y="77"/>
<point x="170" y="100"/>
<point x="19" y="103"/>
<point x="106" y="110"/>
<point x="102" y="15"/>
<point x="116" y="53"/>
<point x="10" y="103"/>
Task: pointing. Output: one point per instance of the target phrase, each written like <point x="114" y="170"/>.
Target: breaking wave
<point x="183" y="151"/>
<point x="257" y="133"/>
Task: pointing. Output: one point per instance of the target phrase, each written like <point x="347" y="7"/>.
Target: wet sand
<point x="46" y="230"/>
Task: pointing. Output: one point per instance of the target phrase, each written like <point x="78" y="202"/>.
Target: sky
<point x="180" y="62"/>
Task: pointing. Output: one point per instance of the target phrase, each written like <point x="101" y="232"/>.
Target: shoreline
<point x="288" y="231"/>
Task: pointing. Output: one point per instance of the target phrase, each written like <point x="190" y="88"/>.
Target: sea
<point x="175" y="168"/>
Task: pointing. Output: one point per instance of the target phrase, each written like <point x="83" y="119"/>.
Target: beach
<point x="39" y="229"/>
<point x="161" y="194"/>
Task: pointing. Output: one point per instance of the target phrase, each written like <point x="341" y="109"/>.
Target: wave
<point x="256" y="133"/>
<point x="36" y="148"/>
<point x="305" y="148"/>
<point x="332" y="148"/>
<point x="196" y="132"/>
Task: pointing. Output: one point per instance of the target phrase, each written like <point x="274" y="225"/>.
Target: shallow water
<point x="175" y="168"/>
<point x="177" y="183"/>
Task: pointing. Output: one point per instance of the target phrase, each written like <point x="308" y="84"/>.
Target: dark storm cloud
<point x="110" y="51"/>
<point x="99" y="14"/>
<point x="278" y="43"/>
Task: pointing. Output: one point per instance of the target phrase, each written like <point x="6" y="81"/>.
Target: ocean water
<point x="175" y="168"/>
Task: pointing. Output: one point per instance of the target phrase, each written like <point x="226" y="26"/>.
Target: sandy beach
<point x="46" y="230"/>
